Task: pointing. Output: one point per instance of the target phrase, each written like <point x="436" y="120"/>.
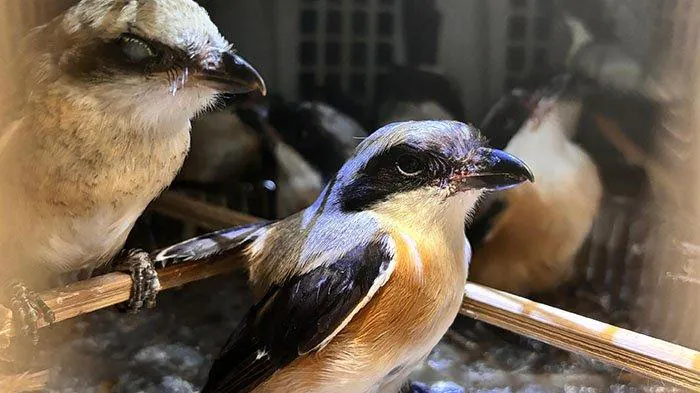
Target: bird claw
<point x="415" y="387"/>
<point x="27" y="307"/>
<point x="145" y="283"/>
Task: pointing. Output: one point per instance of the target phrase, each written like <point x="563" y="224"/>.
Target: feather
<point x="300" y="316"/>
<point x="209" y="245"/>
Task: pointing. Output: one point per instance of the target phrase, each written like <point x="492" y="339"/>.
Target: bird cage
<point x="345" y="44"/>
<point x="639" y="263"/>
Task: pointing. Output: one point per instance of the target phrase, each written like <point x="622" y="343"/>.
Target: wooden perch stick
<point x="622" y="348"/>
<point x="107" y="290"/>
<point x="632" y="152"/>
<point x="619" y="347"/>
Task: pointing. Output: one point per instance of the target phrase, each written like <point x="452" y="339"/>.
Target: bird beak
<point x="235" y="76"/>
<point x="495" y="170"/>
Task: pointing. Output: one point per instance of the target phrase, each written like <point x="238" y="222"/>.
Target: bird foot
<point x="415" y="387"/>
<point x="145" y="283"/>
<point x="27" y="307"/>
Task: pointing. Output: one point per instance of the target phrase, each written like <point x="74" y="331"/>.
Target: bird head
<point x="433" y="167"/>
<point x="560" y="93"/>
<point x="140" y="55"/>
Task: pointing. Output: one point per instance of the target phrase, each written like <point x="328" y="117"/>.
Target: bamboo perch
<point x="635" y="155"/>
<point x="107" y="290"/>
<point x="622" y="348"/>
<point x="619" y="347"/>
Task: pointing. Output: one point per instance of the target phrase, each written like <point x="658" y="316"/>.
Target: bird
<point x="506" y="117"/>
<point x="526" y="239"/>
<point x="418" y="94"/>
<point x="353" y="292"/>
<point x="298" y="182"/>
<point x="586" y="44"/>
<point x="99" y="127"/>
<point x="321" y="133"/>
<point x="224" y="149"/>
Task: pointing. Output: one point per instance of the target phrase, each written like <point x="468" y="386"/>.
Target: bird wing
<point x="225" y="241"/>
<point x="299" y="316"/>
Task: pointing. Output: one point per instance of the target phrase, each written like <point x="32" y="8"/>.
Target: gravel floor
<point x="171" y="348"/>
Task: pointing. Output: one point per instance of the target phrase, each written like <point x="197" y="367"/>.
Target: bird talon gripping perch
<point x="27" y="307"/>
<point x="145" y="283"/>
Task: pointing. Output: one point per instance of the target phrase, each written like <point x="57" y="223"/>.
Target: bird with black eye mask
<point x="104" y="101"/>
<point x="352" y="293"/>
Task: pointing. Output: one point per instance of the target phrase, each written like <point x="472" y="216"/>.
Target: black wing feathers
<point x="297" y="316"/>
<point x="209" y="245"/>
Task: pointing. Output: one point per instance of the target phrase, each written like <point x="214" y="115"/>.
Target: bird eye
<point x="409" y="165"/>
<point x="136" y="49"/>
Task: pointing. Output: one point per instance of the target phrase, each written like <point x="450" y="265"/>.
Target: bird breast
<point x="69" y="195"/>
<point x="395" y="331"/>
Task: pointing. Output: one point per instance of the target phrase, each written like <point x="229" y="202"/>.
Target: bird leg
<point x="414" y="387"/>
<point x="145" y="283"/>
<point x="27" y="307"/>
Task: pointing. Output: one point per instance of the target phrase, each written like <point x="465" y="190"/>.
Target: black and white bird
<point x="353" y="292"/>
<point x="101" y="127"/>
<point x="298" y="181"/>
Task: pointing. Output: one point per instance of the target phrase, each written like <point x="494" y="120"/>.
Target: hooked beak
<point x="235" y="76"/>
<point x="496" y="170"/>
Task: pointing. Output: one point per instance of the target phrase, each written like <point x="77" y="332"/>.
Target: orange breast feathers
<point x="412" y="311"/>
<point x="398" y="327"/>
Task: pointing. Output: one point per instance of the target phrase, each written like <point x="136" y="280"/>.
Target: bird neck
<point x="85" y="156"/>
<point x="428" y="217"/>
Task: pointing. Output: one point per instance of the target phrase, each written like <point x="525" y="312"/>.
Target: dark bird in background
<point x="101" y="128"/>
<point x="224" y="150"/>
<point x="325" y="136"/>
<point x="298" y="182"/>
<point x="506" y="117"/>
<point x="622" y="100"/>
<point x="353" y="292"/>
<point x="531" y="235"/>
<point x="415" y="94"/>
<point x="586" y="44"/>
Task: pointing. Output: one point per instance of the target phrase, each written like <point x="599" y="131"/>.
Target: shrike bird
<point x="321" y="133"/>
<point x="532" y="234"/>
<point x="353" y="292"/>
<point x="298" y="182"/>
<point x="102" y="127"/>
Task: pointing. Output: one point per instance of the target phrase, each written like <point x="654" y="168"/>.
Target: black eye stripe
<point x="101" y="60"/>
<point x="381" y="178"/>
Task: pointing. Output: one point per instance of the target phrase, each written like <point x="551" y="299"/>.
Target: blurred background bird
<point x="532" y="234"/>
<point x="100" y="126"/>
